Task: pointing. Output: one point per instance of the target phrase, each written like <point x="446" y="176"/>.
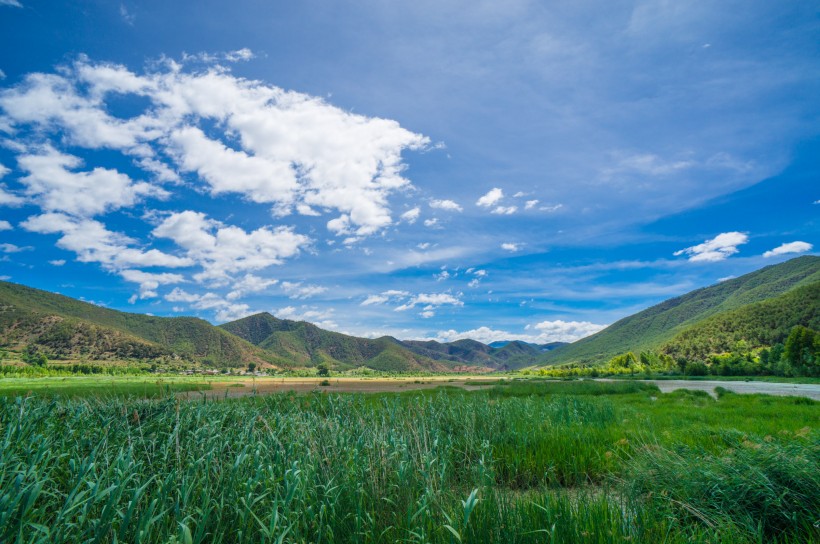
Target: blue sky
<point x="441" y="169"/>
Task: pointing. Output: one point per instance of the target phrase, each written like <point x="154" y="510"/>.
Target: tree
<point x="32" y="356"/>
<point x="251" y="367"/>
<point x="802" y="350"/>
<point x="323" y="370"/>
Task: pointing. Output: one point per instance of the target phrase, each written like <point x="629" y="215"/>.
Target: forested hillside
<point x="654" y="327"/>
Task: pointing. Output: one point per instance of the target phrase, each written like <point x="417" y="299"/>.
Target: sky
<point x="431" y="169"/>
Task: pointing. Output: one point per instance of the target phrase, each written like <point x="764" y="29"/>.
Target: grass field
<point x="82" y="386"/>
<point x="521" y="462"/>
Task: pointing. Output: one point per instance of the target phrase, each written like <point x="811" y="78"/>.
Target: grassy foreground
<point x="532" y="462"/>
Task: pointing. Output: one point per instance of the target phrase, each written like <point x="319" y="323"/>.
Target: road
<point x="811" y="391"/>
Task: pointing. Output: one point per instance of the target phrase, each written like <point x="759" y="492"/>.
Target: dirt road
<point x="811" y="391"/>
<point x="262" y="386"/>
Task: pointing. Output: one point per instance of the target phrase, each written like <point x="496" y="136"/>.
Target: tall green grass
<point x="447" y="466"/>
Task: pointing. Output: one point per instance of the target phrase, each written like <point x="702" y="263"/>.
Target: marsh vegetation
<point x="531" y="462"/>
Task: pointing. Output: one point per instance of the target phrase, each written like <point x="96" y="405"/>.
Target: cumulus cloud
<point x="266" y="144"/>
<point x="57" y="262"/>
<point x="5" y="225"/>
<point x="9" y="199"/>
<point x="322" y="318"/>
<point x="530" y="204"/>
<point x="548" y="331"/>
<point x="431" y="223"/>
<point x="224" y="310"/>
<point x="510" y="246"/>
<point x="448" y="205"/>
<point x="299" y="291"/>
<point x="94" y="243"/>
<point x="12" y="248"/>
<point x="223" y="249"/>
<point x="492" y="197"/>
<point x="56" y="188"/>
<point x="149" y="282"/>
<point x="406" y="300"/>
<point x="505" y="210"/>
<point x="430" y="301"/>
<point x="249" y="284"/>
<point x="411" y="216"/>
<point x="717" y="249"/>
<point x="791" y="247"/>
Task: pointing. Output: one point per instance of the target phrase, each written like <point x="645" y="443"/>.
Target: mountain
<point x="541" y="347"/>
<point x="730" y="304"/>
<point x="756" y="325"/>
<point x="66" y="328"/>
<point x="299" y="343"/>
<point x="501" y="356"/>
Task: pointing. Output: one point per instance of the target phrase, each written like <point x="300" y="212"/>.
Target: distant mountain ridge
<point x="64" y="327"/>
<point x="303" y="344"/>
<point x="758" y="309"/>
<point x="729" y="303"/>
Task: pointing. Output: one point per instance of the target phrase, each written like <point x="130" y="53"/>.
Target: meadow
<point x="531" y="461"/>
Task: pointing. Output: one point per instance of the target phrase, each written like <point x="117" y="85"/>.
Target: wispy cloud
<point x="790" y="247"/>
<point x="717" y="249"/>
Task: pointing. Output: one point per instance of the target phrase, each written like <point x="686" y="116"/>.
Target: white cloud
<point x="645" y="164"/>
<point x="519" y="194"/>
<point x="448" y="205"/>
<point x="431" y="223"/>
<point x="57" y="262"/>
<point x="311" y="314"/>
<point x="492" y="197"/>
<point x="717" y="249"/>
<point x="249" y="284"/>
<point x="411" y="216"/>
<point x="5" y="225"/>
<point x="57" y="188"/>
<point x="375" y="299"/>
<point x="299" y="291"/>
<point x="552" y="208"/>
<point x="93" y="242"/>
<point x="222" y="249"/>
<point x="505" y="210"/>
<point x="530" y="204"/>
<point x="11" y="248"/>
<point x="791" y="247"/>
<point x="224" y="310"/>
<point x="548" y="331"/>
<point x="11" y="3"/>
<point x="150" y="282"/>
<point x="510" y="246"/>
<point x="128" y="18"/>
<point x="285" y="148"/>
<point x="407" y="301"/>
<point x="427" y="314"/>
<point x="9" y="199"/>
<point x="430" y="301"/>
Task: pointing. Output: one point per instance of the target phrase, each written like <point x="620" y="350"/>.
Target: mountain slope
<point x="757" y="325"/>
<point x="655" y="326"/>
<point x="305" y="344"/>
<point x="507" y="356"/>
<point x="67" y="328"/>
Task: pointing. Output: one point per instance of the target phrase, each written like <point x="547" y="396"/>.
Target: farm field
<point x="534" y="461"/>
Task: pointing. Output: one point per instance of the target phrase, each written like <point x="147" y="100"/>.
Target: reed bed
<point x="445" y="466"/>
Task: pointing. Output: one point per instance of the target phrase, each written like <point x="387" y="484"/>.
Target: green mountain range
<point x="302" y="344"/>
<point x="66" y="328"/>
<point x="758" y="308"/>
<point x="755" y="310"/>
